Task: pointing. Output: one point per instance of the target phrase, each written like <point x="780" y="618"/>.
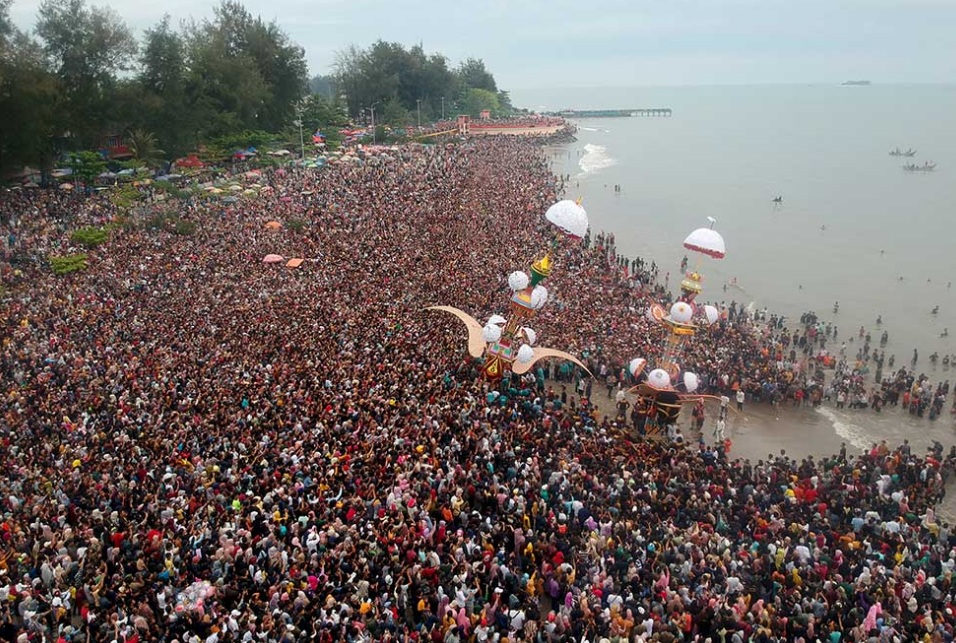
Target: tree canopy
<point x="83" y="76"/>
<point x="390" y="77"/>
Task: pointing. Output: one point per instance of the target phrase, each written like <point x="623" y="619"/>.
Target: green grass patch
<point x="68" y="263"/>
<point x="89" y="237"/>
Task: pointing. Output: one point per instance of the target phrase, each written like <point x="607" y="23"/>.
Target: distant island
<point x="857" y="83"/>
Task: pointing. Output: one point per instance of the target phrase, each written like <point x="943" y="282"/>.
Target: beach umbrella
<point x="569" y="217"/>
<point x="295" y="263"/>
<point x="273" y="225"/>
<point x="706" y="241"/>
<point x="273" y="259"/>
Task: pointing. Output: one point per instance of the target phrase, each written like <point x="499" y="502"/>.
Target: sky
<point x="555" y="44"/>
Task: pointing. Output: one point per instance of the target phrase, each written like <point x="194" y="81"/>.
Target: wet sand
<point x="762" y="430"/>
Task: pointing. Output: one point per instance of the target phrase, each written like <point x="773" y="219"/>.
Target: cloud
<point x="538" y="43"/>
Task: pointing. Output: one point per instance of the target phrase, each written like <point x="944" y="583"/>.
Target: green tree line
<point x="232" y="78"/>
<point x="399" y="81"/>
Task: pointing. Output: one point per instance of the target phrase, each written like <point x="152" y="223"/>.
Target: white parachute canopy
<point x="491" y="333"/>
<point x="525" y="354"/>
<point x="658" y="378"/>
<point x="569" y="217"/>
<point x="691" y="382"/>
<point x="518" y="280"/>
<point x="712" y="314"/>
<point x="637" y="365"/>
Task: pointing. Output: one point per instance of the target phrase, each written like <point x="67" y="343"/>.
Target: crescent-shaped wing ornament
<point x="543" y="353"/>
<point x="476" y="343"/>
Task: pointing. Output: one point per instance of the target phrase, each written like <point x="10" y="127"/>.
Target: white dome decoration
<point x="496" y="320"/>
<point x="530" y="336"/>
<point x="658" y="378"/>
<point x="707" y="241"/>
<point x="681" y="312"/>
<point x="691" y="382"/>
<point x="518" y="280"/>
<point x="569" y="217"/>
<point x="712" y="314"/>
<point x="525" y="354"/>
<point x="637" y="365"/>
<point x="491" y="333"/>
<point x="539" y="297"/>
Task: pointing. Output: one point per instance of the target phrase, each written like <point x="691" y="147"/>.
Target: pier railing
<point x="663" y="112"/>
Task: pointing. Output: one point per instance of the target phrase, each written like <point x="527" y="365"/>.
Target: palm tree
<point x="144" y="148"/>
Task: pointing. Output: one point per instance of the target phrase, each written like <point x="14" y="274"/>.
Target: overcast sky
<point x="531" y="44"/>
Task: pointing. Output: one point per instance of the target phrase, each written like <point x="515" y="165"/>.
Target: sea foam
<point x="850" y="432"/>
<point x="595" y="159"/>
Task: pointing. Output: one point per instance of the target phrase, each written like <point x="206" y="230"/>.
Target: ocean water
<point x="851" y="224"/>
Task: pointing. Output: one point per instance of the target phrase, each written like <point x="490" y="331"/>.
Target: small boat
<point x="915" y="167"/>
<point x="910" y="153"/>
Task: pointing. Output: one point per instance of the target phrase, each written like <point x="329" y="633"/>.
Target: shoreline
<point x="783" y="425"/>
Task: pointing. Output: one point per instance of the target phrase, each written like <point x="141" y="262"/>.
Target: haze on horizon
<point x="547" y="44"/>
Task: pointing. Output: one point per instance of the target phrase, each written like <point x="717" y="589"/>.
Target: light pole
<point x="419" y="105"/>
<point x="298" y="123"/>
<point x="443" y="108"/>
<point x="372" y="108"/>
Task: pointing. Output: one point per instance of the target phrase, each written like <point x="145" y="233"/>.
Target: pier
<point x="663" y="112"/>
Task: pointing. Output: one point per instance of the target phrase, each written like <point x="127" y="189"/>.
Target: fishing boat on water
<point x="916" y="167"/>
<point x="908" y="153"/>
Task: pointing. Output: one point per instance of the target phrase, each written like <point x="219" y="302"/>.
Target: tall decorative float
<point x="666" y="388"/>
<point x="507" y="344"/>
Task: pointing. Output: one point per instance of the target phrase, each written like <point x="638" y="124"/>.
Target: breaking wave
<point x="850" y="432"/>
<point x="595" y="159"/>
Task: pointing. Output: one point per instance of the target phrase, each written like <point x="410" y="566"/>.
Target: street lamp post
<point x="298" y="123"/>
<point x="419" y="105"/>
<point x="443" y="108"/>
<point x="373" y="122"/>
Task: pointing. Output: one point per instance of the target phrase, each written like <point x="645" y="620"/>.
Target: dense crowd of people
<point x="199" y="446"/>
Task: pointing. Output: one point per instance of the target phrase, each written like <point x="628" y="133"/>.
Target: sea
<point x="853" y="226"/>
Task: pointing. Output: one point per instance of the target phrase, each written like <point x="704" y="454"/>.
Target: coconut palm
<point x="144" y="147"/>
